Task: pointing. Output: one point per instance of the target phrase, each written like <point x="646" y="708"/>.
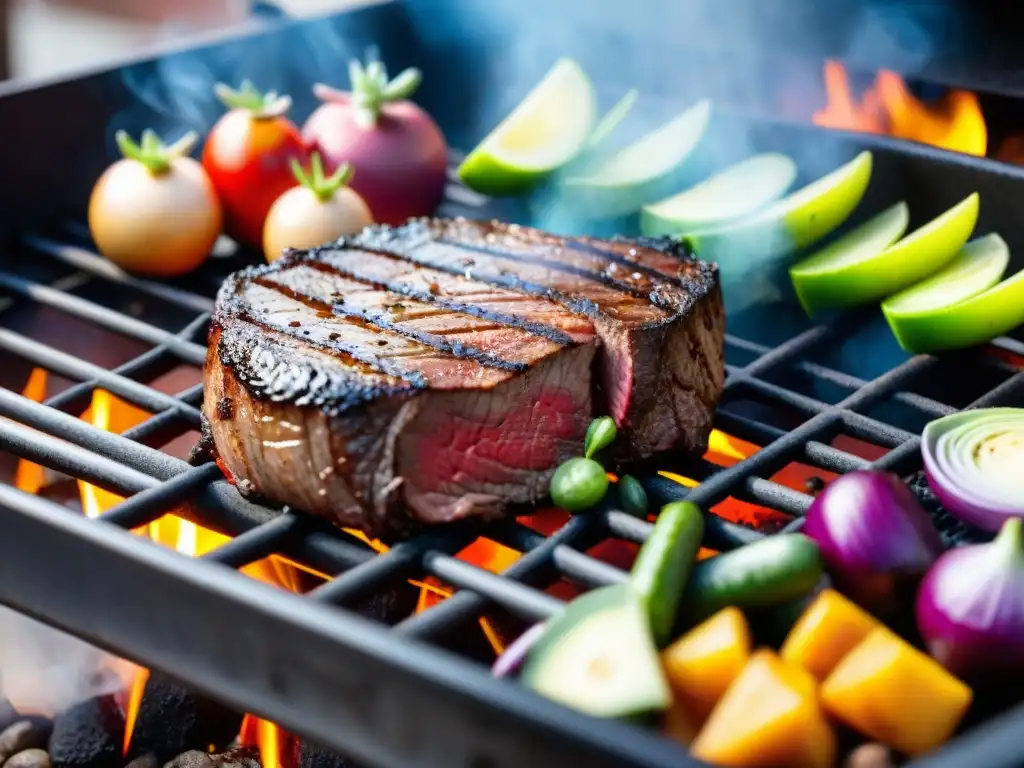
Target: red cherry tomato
<point x="248" y="158"/>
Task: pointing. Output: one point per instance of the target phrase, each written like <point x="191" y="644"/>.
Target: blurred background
<point x="43" y="38"/>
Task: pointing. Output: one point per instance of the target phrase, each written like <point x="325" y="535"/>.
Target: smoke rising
<point x="43" y="670"/>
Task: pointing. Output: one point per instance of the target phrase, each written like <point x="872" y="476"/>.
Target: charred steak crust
<point x="444" y="368"/>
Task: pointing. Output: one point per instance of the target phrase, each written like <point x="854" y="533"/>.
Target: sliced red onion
<point x="511" y="660"/>
<point x="975" y="464"/>
<point x="874" y="536"/>
<point x="970" y="609"/>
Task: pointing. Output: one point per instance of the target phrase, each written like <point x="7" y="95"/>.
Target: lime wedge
<point x="961" y="305"/>
<point x="979" y="265"/>
<point x="796" y="221"/>
<point x="546" y="130"/>
<point x="739" y="190"/>
<point x="976" y="320"/>
<point x="866" y="241"/>
<point x="639" y="173"/>
<point x="849" y="273"/>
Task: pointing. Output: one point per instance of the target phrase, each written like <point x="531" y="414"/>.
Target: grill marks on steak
<point x="444" y="368"/>
<point x="462" y="335"/>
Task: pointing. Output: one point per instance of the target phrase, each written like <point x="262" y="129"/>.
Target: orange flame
<point x="29" y="477"/>
<point x="955" y="122"/>
<point x="269" y="740"/>
<point x="131" y="710"/>
<point x="113" y="414"/>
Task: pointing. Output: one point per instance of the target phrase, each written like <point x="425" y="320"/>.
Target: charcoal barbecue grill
<point x="399" y="696"/>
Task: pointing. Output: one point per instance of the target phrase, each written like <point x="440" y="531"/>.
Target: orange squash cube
<point x="702" y="664"/>
<point x="893" y="693"/>
<point x="828" y="629"/>
<point x="768" y="717"/>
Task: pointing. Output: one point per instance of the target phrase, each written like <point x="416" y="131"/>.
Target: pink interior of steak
<point x="443" y="454"/>
<point x="473" y="453"/>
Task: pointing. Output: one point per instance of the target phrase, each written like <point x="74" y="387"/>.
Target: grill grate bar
<point x="747" y="429"/>
<point x="529" y="603"/>
<point x="579" y="567"/>
<point x="97" y="266"/>
<point x="105" y="317"/>
<point x="151" y="504"/>
<point x="832" y="459"/>
<point x="260" y="542"/>
<point x="765" y="390"/>
<point x="73" y="460"/>
<point x="846" y="380"/>
<point x="73" y="367"/>
<point x="146" y="367"/>
<point x="533" y="567"/>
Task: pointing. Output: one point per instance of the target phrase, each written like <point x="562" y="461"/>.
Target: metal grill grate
<point x="297" y="659"/>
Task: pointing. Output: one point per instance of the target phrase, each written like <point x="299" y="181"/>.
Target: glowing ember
<point x="955" y="122"/>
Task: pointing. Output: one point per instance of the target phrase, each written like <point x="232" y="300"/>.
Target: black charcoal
<point x="173" y="720"/>
<point x="314" y="756"/>
<point x="89" y="735"/>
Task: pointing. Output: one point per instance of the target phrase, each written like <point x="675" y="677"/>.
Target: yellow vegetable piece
<point x="828" y="629"/>
<point x="893" y="693"/>
<point x="768" y="717"/>
<point x="702" y="664"/>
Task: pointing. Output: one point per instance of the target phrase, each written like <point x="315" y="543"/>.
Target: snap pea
<point x="578" y="484"/>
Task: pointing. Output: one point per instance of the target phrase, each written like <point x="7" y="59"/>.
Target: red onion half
<point x="970" y="609"/>
<point x="975" y="464"/>
<point x="874" y="536"/>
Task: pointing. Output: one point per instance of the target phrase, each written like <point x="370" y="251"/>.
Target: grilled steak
<point x="444" y="368"/>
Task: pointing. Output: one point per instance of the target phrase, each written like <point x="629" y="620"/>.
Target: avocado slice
<point x="598" y="657"/>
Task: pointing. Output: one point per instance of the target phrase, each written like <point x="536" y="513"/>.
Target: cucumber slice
<point x="847" y="275"/>
<point x="739" y="190"/>
<point x="547" y="130"/>
<point x="979" y="265"/>
<point x="637" y="174"/>
<point x="598" y="657"/>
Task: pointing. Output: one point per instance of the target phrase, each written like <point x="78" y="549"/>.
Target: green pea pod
<point x="663" y="565"/>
